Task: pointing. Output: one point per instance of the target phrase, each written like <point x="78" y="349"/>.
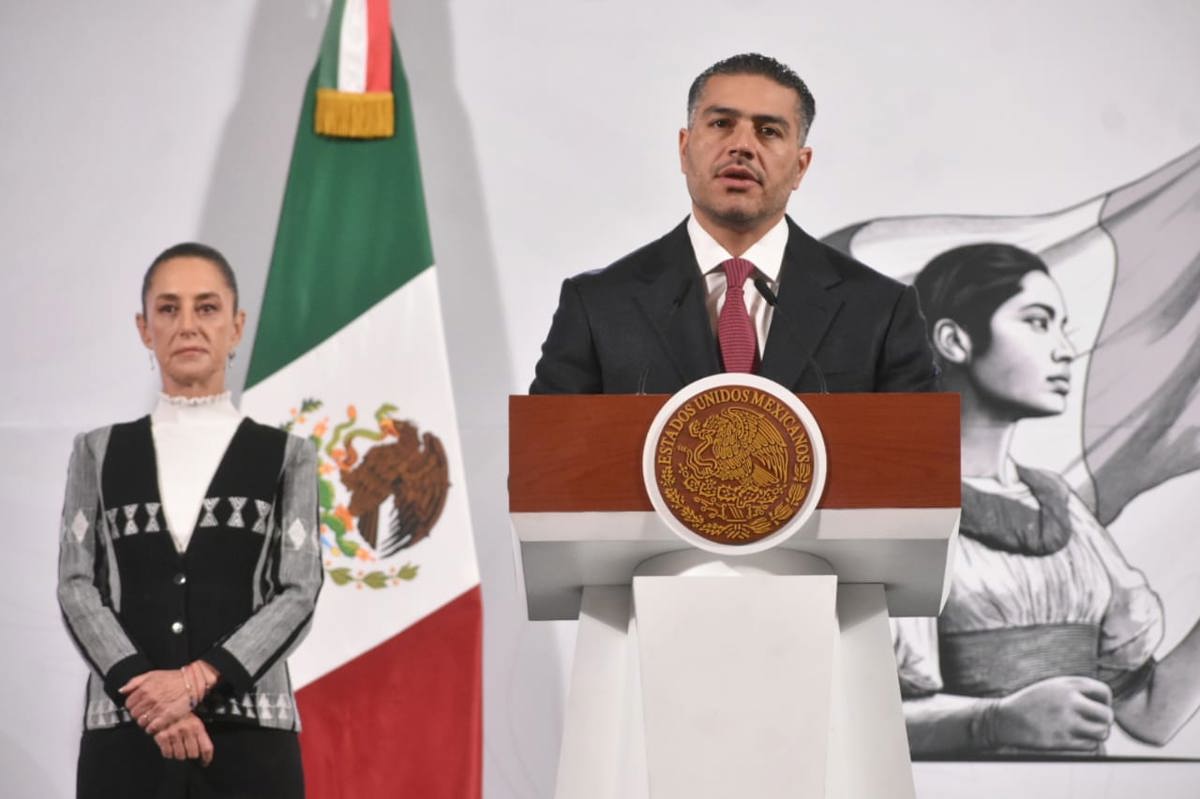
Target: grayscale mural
<point x="1071" y="629"/>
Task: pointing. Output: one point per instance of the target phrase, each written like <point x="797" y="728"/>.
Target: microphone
<point x="760" y="283"/>
<point x="675" y="303"/>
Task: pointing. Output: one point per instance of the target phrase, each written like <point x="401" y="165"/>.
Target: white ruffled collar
<point x="213" y="409"/>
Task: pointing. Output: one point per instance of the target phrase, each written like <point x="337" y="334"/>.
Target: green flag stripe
<point x="353" y="229"/>
<point x="331" y="43"/>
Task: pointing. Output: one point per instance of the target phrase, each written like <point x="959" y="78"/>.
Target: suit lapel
<point x="805" y="309"/>
<point x="673" y="302"/>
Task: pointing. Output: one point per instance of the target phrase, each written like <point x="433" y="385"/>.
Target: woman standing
<point x="1048" y="635"/>
<point x="189" y="565"/>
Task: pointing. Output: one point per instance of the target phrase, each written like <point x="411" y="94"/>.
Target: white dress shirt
<point x="767" y="256"/>
<point x="190" y="439"/>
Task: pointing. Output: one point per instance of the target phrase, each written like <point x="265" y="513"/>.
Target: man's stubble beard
<point x="736" y="218"/>
<point x="733" y="217"/>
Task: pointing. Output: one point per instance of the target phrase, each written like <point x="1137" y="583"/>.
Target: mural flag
<point x="350" y="352"/>
<point x="1142" y="414"/>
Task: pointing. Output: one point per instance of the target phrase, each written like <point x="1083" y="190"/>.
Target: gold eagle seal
<point x="734" y="464"/>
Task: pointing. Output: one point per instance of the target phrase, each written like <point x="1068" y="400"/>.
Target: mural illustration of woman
<point x="1049" y="635"/>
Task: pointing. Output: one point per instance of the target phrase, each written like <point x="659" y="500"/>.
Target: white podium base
<point x="759" y="683"/>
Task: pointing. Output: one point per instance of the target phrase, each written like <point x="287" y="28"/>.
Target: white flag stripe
<point x="352" y="48"/>
<point x="394" y="353"/>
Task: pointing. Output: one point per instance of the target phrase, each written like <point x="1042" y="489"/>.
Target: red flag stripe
<point x="403" y="719"/>
<point x="379" y="46"/>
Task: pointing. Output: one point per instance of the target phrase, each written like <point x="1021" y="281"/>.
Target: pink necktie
<point x="735" y="328"/>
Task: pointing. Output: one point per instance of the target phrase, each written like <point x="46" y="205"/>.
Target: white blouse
<point x="1088" y="581"/>
<point x="191" y="435"/>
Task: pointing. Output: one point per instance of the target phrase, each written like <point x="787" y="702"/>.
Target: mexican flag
<point x="350" y="353"/>
<point x="1128" y="263"/>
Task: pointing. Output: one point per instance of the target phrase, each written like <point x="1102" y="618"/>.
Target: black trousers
<point x="248" y="763"/>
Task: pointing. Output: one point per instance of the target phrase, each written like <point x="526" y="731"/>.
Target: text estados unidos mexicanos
<point x="720" y="396"/>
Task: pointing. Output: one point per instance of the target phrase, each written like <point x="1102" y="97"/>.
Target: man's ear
<point x="683" y="142"/>
<point x="802" y="164"/>
<point x="951" y="342"/>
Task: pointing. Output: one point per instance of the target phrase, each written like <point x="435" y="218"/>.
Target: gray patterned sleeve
<point x="279" y="625"/>
<point x="87" y="611"/>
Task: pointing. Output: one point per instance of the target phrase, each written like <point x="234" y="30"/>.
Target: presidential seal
<point x="734" y="463"/>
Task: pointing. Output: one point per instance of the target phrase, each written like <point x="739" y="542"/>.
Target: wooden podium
<point x="782" y="682"/>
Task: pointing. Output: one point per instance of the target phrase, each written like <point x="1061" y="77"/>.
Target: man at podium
<point x="737" y="286"/>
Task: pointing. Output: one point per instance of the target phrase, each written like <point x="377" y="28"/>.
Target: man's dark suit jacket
<point x="641" y="325"/>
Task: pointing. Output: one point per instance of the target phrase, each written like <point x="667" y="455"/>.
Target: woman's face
<point x="190" y="325"/>
<point x="1026" y="371"/>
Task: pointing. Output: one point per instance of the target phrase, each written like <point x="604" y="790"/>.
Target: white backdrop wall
<point x="547" y="131"/>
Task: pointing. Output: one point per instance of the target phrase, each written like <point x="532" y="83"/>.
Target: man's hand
<point x="186" y="739"/>
<point x="1056" y="713"/>
<point x="157" y="699"/>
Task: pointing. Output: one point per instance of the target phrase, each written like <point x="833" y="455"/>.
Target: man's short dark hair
<point x="967" y="284"/>
<point x="767" y="67"/>
<point x="191" y="249"/>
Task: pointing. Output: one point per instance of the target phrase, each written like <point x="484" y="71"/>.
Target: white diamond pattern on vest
<point x="152" y="517"/>
<point x="235" y="518"/>
<point x="297" y="533"/>
<point x="79" y="526"/>
<point x="131" y="527"/>
<point x="210" y="504"/>
<point x="264" y="508"/>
